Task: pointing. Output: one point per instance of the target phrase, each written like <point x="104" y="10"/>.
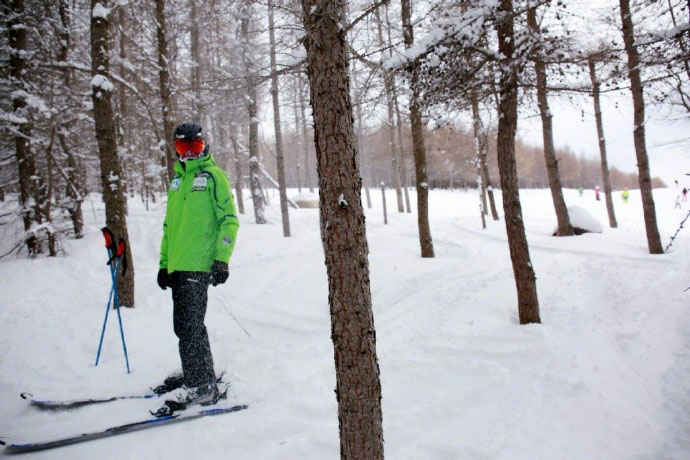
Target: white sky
<point x="668" y="134"/>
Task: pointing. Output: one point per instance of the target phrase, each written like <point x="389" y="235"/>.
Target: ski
<point x="120" y="429"/>
<point x="171" y="383"/>
<point x="77" y="403"/>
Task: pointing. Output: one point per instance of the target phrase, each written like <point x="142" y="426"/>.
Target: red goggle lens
<point x="185" y="147"/>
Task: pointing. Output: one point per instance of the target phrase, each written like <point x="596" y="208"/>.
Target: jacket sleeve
<point x="226" y="216"/>
<point x="163" y="263"/>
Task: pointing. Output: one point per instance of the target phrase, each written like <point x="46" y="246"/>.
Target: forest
<point x="335" y="96"/>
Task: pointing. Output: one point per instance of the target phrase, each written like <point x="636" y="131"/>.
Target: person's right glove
<point x="163" y="278"/>
<point x="219" y="272"/>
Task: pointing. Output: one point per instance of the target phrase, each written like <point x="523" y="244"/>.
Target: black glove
<point x="163" y="278"/>
<point x="219" y="272"/>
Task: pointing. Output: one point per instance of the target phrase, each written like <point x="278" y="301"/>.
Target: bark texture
<point x="525" y="280"/>
<point x="644" y="176"/>
<point x="28" y="199"/>
<point x="164" y="88"/>
<point x="418" y="149"/>
<point x="343" y="233"/>
<point x="605" y="177"/>
<point x="308" y="168"/>
<point x="111" y="171"/>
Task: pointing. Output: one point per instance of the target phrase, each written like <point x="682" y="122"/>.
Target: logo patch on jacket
<point x="175" y="184"/>
<point x="200" y="183"/>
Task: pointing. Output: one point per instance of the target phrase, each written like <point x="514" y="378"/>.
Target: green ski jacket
<point x="200" y="221"/>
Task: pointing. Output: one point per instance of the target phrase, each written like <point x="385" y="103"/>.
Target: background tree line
<point x="451" y="157"/>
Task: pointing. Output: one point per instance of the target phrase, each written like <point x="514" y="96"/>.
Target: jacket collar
<point x="192" y="166"/>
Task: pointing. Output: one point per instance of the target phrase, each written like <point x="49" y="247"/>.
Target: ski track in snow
<point x="604" y="377"/>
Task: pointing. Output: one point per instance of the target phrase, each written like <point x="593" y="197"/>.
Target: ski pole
<point x="116" y="257"/>
<point x="120" y="255"/>
<point x="107" y="310"/>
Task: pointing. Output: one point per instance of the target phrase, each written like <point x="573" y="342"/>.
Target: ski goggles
<point x="189" y="148"/>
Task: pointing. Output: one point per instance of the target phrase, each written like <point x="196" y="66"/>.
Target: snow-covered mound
<point x="582" y="221"/>
<point x="306" y="199"/>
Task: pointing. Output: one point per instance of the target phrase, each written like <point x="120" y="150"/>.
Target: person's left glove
<point x="163" y="278"/>
<point x="219" y="272"/>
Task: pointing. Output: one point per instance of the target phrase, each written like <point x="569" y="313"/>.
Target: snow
<point x="100" y="11"/>
<point x="101" y="82"/>
<point x="603" y="377"/>
<point x="581" y="218"/>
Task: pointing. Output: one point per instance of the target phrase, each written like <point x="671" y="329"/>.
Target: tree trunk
<point x="425" y="241"/>
<point x="390" y="128"/>
<point x="308" y="182"/>
<point x="525" y="280"/>
<point x="605" y="177"/>
<point x="343" y="233"/>
<point x="383" y="200"/>
<point x="402" y="165"/>
<point x="121" y="114"/>
<point x="363" y="160"/>
<point x="197" y="108"/>
<point x="164" y="87"/>
<point x="47" y="198"/>
<point x="111" y="172"/>
<point x="280" y="163"/>
<point x="486" y="178"/>
<point x="238" y="169"/>
<point x="75" y="188"/>
<point x="564" y="227"/>
<point x="254" y="168"/>
<point x="22" y="121"/>
<point x="298" y="140"/>
<point x="644" y="176"/>
<point x="404" y="173"/>
<point x="476" y="130"/>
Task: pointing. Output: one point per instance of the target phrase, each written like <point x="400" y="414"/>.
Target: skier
<point x="625" y="195"/>
<point x="596" y="193"/>
<point x="685" y="194"/>
<point x="198" y="239"/>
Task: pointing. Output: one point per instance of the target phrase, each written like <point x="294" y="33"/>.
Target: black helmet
<point x="188" y="131"/>
<point x="189" y="143"/>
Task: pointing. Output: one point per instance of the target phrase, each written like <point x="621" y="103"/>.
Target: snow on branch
<point x="101" y="82"/>
<point x="100" y="11"/>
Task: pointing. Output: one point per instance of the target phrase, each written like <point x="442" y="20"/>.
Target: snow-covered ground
<point x="606" y="376"/>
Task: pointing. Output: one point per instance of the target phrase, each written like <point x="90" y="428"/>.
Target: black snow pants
<point x="190" y="295"/>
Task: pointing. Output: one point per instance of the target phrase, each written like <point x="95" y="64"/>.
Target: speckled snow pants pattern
<point x="190" y="295"/>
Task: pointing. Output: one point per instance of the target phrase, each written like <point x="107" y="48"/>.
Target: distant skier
<point x="685" y="194"/>
<point x="580" y="191"/>
<point x="596" y="193"/>
<point x="625" y="195"/>
<point x="198" y="239"/>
